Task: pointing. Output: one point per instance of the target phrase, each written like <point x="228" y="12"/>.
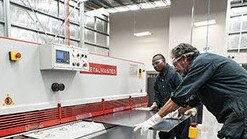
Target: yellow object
<point x="8" y="101"/>
<point x="193" y="131"/>
<point x="140" y="73"/>
<point x="14" y="55"/>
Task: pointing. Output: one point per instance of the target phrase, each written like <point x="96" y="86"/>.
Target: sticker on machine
<point x="8" y="100"/>
<point x="102" y="69"/>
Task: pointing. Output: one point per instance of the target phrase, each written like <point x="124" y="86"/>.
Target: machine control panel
<point x="62" y="57"/>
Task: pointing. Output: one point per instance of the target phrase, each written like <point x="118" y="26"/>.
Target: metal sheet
<point x="130" y="118"/>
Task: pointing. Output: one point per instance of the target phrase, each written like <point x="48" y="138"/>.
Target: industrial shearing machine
<point x="56" y="91"/>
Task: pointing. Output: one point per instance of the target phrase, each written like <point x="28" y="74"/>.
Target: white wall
<point x="124" y="44"/>
<point x="180" y="24"/>
<point x="217" y="32"/>
<point x="170" y="26"/>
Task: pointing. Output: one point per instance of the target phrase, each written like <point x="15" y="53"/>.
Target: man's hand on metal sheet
<point x="148" y="123"/>
<point x="188" y="111"/>
<point x="154" y="106"/>
<point x="192" y="112"/>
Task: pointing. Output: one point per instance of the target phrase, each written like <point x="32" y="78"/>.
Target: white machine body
<point x="28" y="81"/>
<point x="82" y="130"/>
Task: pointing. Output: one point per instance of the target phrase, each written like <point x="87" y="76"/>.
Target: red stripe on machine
<point x="103" y="69"/>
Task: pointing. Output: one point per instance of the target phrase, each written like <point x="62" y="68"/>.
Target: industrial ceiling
<point x="107" y="4"/>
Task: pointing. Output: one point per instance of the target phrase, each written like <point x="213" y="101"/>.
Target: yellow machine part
<point x="14" y="55"/>
<point x="193" y="132"/>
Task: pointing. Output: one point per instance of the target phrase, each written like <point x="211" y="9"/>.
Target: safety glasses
<point x="176" y="60"/>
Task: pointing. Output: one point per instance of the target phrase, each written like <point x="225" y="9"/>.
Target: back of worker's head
<point x="185" y="49"/>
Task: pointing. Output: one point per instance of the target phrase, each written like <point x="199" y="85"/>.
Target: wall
<point x="217" y="32"/>
<point x="180" y="24"/>
<point x="125" y="45"/>
<point x="170" y="27"/>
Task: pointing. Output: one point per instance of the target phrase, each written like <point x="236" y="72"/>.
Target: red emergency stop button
<point x="18" y="55"/>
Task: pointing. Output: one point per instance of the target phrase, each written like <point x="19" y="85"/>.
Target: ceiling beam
<point x="119" y="2"/>
<point x="107" y="5"/>
<point x="134" y="2"/>
<point x="93" y="4"/>
<point x="89" y="6"/>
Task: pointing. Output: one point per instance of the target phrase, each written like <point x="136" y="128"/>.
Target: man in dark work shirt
<point x="166" y="82"/>
<point x="218" y="82"/>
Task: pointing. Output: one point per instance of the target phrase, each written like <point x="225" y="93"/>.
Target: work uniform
<point x="166" y="83"/>
<point x="221" y="85"/>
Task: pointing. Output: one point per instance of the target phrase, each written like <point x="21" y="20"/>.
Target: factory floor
<point x="209" y="127"/>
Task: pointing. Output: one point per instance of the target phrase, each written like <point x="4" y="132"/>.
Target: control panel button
<point x="85" y="65"/>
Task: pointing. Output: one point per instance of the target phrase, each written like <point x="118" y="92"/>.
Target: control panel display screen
<point x="62" y="57"/>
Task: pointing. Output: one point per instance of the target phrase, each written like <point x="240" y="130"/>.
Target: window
<point x="237" y="37"/>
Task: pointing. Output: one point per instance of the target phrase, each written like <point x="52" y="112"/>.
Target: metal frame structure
<point x="65" y="30"/>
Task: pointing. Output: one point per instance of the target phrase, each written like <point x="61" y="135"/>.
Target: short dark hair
<point x="184" y="49"/>
<point x="160" y="55"/>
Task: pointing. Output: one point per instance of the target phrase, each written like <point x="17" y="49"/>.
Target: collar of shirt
<point x="165" y="70"/>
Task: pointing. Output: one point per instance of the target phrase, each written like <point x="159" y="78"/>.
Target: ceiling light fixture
<point x="121" y="9"/>
<point x="112" y="10"/>
<point x="205" y="23"/>
<point x="141" y="34"/>
<point x="147" y="5"/>
<point x="160" y="3"/>
<point x="133" y="7"/>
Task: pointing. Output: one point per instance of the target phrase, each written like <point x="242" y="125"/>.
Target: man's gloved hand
<point x="148" y="123"/>
<point x="192" y="111"/>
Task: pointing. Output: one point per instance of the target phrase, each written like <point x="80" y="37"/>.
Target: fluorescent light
<point x="133" y="7"/>
<point x="159" y="3"/>
<point x="112" y="10"/>
<point x="168" y="2"/>
<point x="140" y="34"/>
<point x="147" y="5"/>
<point x="121" y="9"/>
<point x="204" y="23"/>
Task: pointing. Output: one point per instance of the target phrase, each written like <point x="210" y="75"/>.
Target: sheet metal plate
<point x="130" y="118"/>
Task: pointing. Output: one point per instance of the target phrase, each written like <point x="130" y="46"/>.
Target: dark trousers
<point x="180" y="132"/>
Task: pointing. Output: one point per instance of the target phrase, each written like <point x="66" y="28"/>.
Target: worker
<point x="218" y="82"/>
<point x="166" y="82"/>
